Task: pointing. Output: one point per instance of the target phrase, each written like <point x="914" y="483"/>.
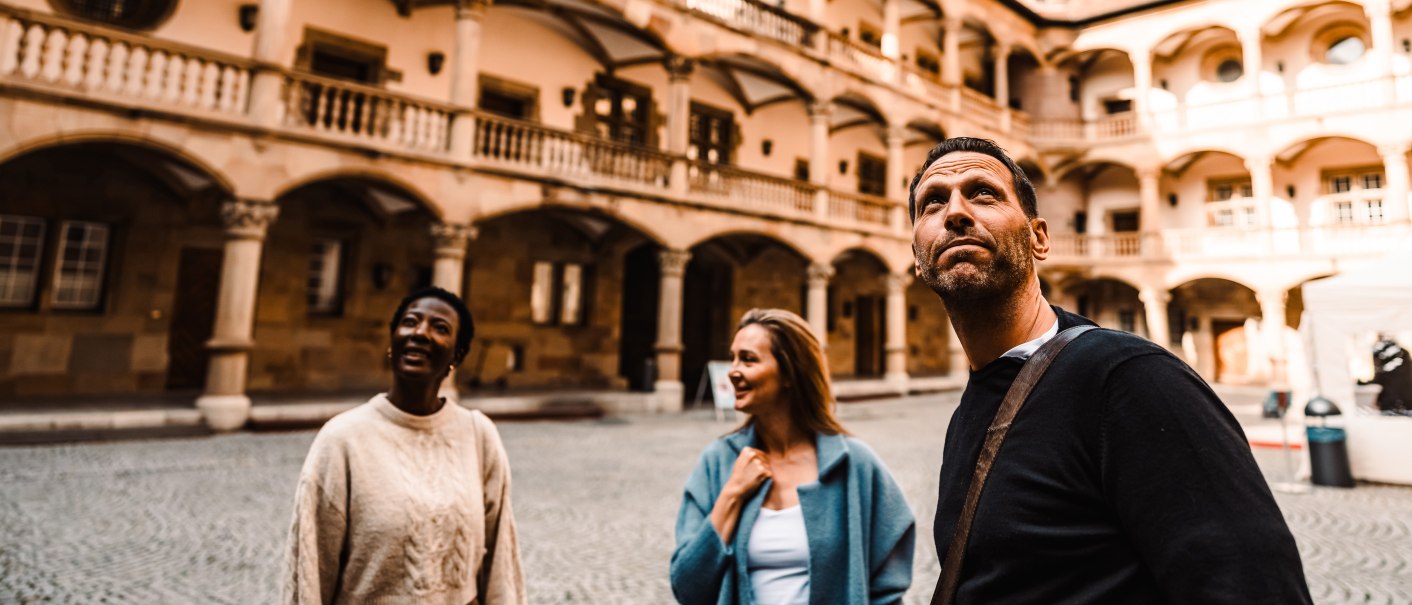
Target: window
<point x="1229" y="70"/>
<point x="872" y="174"/>
<point x="78" y="274"/>
<point x="557" y="293"/>
<point x="621" y="110"/>
<point x="928" y="62"/>
<point x="710" y="133"/>
<point x="1125" y="221"/>
<point x="801" y="169"/>
<point x="1228" y="189"/>
<point x="21" y="244"/>
<point x="1127" y="320"/>
<point x="869" y="34"/>
<point x="510" y="99"/>
<point x="325" y="285"/>
<point x="1355" y="196"/>
<point x="1115" y="106"/>
<point x="132" y="14"/>
<point x="334" y="56"/>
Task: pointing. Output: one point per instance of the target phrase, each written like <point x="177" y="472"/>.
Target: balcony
<point x="860" y="59"/>
<point x="758" y="18"/>
<point x="531" y="149"/>
<point x="1222" y="244"/>
<point x="354" y="113"/>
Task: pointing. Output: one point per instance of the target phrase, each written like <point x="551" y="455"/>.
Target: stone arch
<point x="853" y="108"/>
<point x="738" y="65"/>
<point x="774" y="238"/>
<point x="627" y="217"/>
<point x="376" y="179"/>
<point x="586" y="23"/>
<point x="184" y="154"/>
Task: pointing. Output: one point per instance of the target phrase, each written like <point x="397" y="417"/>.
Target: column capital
<point x="1394" y="151"/>
<point x="678" y="67"/>
<point x="1272" y="297"/>
<point x="1154" y="296"/>
<point x="451" y="239"/>
<point x="1259" y="162"/>
<point x="951" y="21"/>
<point x="1148" y="172"/>
<point x="673" y="262"/>
<point x="820" y="109"/>
<point x="897" y="282"/>
<point x="896" y="134"/>
<point x="248" y="219"/>
<point x="471" y="9"/>
<point x="819" y="274"/>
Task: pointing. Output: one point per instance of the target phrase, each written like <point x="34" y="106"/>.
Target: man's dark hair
<point x="1023" y="187"/>
<point x="466" y="329"/>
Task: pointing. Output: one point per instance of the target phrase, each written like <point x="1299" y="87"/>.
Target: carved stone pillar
<point x="1154" y="303"/>
<point x="465" y="76"/>
<point x="1395" y="208"/>
<point x="1262" y="187"/>
<point x="679" y="119"/>
<point x="271" y="38"/>
<point x="448" y="271"/>
<point x="896" y="189"/>
<point x="1149" y="194"/>
<point x="817" y="304"/>
<point x="819" y="113"/>
<point x="669" y="390"/>
<point x="896" y="323"/>
<point x="1272" y="328"/>
<point x="224" y="404"/>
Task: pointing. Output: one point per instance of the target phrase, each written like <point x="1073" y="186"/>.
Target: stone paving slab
<point x="203" y="520"/>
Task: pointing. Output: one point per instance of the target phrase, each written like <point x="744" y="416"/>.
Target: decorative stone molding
<point x="1154" y="297"/>
<point x="673" y="262"/>
<point x="820" y="110"/>
<point x="897" y="282"/>
<point x="471" y="9"/>
<point x="679" y="67"/>
<point x="451" y="239"/>
<point x="819" y="274"/>
<point x="248" y="219"/>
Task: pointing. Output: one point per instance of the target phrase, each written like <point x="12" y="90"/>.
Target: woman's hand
<point x="750" y="472"/>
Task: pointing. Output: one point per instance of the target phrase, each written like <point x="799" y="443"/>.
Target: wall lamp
<point x="1172" y="200"/>
<point x="1289" y="191"/>
<point x="568" y="94"/>
<point x="248" y="12"/>
<point x="766" y="146"/>
<point x="435" y="61"/>
<point x="843" y="166"/>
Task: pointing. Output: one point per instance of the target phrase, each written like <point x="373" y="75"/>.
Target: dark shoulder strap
<point x="1019" y="391"/>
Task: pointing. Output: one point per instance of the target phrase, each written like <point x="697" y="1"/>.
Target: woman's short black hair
<point x="464" y="333"/>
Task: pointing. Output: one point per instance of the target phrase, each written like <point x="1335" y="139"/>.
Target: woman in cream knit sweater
<point x="406" y="498"/>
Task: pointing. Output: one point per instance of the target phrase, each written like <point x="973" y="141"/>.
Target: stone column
<point x="679" y="119"/>
<point x="1205" y="344"/>
<point x="1002" y="84"/>
<point x="465" y="76"/>
<point x="1142" y="87"/>
<point x="1380" y="26"/>
<point x="271" y="37"/>
<point x="819" y="113"/>
<point x="1262" y="186"/>
<point x="1272" y="326"/>
<point x="818" y="10"/>
<point x="892" y="28"/>
<point x="224" y="404"/>
<point x="896" y="324"/>
<point x="1395" y="207"/>
<point x="448" y="271"/>
<point x="817" y="305"/>
<point x="1149" y="198"/>
<point x="669" y="390"/>
<point x="1154" y="303"/>
<point x="951" y="58"/>
<point x="896" y="177"/>
<point x="1252" y="62"/>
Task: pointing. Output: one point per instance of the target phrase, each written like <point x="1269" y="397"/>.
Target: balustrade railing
<point x="860" y="59"/>
<point x="1115" y="126"/>
<point x="1229" y="243"/>
<point x="129" y="68"/>
<point x="980" y="108"/>
<point x="1056" y="129"/>
<point x="861" y="208"/>
<point x="331" y="106"/>
<point x="746" y="189"/>
<point x="539" y="150"/>
<point x="758" y="18"/>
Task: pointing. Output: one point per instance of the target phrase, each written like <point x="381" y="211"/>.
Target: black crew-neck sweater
<point x="1123" y="479"/>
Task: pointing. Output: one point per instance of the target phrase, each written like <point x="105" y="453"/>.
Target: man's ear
<point x="1039" y="238"/>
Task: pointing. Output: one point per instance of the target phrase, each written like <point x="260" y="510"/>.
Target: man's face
<point x="971" y="237"/>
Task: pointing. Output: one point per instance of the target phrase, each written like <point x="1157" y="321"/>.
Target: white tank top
<point x="778" y="557"/>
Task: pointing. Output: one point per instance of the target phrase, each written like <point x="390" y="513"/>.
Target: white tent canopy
<point x="1341" y="313"/>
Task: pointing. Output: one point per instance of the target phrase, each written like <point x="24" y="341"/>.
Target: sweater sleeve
<point x="701" y="559"/>
<point x="1180" y="477"/>
<point x="314" y="555"/>
<point x="894" y="539"/>
<point x="501" y="577"/>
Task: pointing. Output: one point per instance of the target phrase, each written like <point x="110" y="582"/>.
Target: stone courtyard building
<point x="221" y="200"/>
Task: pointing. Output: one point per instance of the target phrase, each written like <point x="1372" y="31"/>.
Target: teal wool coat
<point x="861" y="532"/>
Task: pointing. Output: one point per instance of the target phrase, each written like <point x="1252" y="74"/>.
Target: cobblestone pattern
<point x="204" y="520"/>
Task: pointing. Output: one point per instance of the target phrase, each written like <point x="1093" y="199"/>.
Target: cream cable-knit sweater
<point x="396" y="508"/>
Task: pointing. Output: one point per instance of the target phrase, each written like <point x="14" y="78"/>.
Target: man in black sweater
<point x="1123" y="479"/>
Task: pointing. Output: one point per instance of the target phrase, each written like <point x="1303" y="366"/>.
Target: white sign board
<point x="722" y="391"/>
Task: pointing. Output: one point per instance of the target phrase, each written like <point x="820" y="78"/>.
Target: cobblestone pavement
<point x="203" y="520"/>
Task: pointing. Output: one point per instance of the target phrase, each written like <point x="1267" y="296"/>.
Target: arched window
<point x="1229" y="70"/>
<point x="1344" y="50"/>
<point x="130" y="14"/>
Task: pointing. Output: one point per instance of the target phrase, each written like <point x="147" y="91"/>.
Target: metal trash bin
<point x="1328" y="445"/>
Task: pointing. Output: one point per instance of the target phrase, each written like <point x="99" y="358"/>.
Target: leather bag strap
<point x="1030" y="374"/>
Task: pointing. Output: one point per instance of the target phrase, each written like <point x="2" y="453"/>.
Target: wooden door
<point x="193" y="317"/>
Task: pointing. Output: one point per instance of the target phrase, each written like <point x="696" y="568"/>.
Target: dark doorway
<point x="869" y="328"/>
<point x="641" y="287"/>
<point x="706" y="317"/>
<point x="193" y="317"/>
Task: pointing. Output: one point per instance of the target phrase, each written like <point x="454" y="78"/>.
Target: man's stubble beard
<point x="985" y="287"/>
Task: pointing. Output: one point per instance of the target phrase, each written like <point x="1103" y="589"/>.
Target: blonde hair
<point x="803" y="371"/>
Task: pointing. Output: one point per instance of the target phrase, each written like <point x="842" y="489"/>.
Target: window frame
<point x="698" y="142"/>
<point x="339" y="274"/>
<point x="868" y="183"/>
<point x="152" y="16"/>
<point x="1348" y="199"/>
<point x="99" y="287"/>
<point x="549" y="292"/>
<point x="37" y="271"/>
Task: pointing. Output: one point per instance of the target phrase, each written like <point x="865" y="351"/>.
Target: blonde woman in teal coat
<point x="789" y="510"/>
